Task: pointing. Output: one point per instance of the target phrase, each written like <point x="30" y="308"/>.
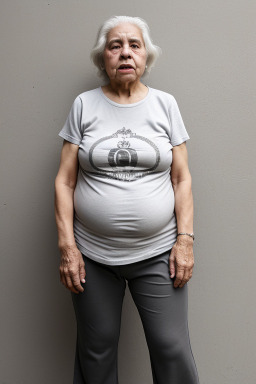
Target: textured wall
<point x="208" y="64"/>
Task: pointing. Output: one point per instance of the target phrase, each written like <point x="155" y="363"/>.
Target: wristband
<point x="187" y="234"/>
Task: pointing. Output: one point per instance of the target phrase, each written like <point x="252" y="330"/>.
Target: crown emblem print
<point x="123" y="155"/>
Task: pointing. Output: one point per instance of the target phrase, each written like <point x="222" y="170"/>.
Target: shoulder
<point x="89" y="95"/>
<point x="86" y="99"/>
<point x="163" y="96"/>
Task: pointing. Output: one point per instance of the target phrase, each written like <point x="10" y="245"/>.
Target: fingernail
<point x="83" y="280"/>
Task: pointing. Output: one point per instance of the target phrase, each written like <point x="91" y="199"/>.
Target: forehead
<point x="124" y="30"/>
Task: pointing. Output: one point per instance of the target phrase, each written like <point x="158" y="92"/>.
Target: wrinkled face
<point x="125" y="54"/>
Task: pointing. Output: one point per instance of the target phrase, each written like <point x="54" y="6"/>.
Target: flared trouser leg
<point x="98" y="315"/>
<point x="163" y="310"/>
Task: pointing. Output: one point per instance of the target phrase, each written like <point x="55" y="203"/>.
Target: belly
<point x="124" y="214"/>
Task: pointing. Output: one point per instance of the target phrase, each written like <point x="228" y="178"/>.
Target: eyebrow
<point x="131" y="40"/>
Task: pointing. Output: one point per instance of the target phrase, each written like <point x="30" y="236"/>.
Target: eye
<point x="134" y="46"/>
<point x="115" y="47"/>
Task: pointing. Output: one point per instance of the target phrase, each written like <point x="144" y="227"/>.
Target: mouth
<point x="125" y="68"/>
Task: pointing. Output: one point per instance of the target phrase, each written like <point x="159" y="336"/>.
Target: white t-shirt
<point x="124" y="199"/>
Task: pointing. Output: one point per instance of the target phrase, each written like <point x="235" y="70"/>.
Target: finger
<point x="172" y="267"/>
<point x="75" y="277"/>
<point x="179" y="277"/>
<point x="69" y="284"/>
<point x="76" y="282"/>
<point x="82" y="272"/>
<point x="185" y="278"/>
<point x="62" y="278"/>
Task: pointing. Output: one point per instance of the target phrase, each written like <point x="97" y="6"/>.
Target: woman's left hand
<point x="181" y="261"/>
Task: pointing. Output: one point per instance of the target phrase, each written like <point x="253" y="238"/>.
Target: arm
<point x="182" y="258"/>
<point x="71" y="265"/>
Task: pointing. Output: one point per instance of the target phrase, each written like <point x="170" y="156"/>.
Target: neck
<point x="125" y="89"/>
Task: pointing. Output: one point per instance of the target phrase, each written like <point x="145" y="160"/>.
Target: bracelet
<point x="187" y="234"/>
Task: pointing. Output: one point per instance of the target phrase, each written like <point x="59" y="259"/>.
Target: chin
<point x="128" y="77"/>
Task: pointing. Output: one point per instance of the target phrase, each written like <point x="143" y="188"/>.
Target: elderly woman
<point x="124" y="211"/>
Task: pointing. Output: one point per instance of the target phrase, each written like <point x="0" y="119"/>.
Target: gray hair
<point x="153" y="51"/>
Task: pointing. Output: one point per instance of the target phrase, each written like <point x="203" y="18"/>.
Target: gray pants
<point x="162" y="309"/>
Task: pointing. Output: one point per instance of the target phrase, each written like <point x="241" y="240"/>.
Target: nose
<point x="125" y="52"/>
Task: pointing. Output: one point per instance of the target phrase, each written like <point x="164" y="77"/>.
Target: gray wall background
<point x="208" y="64"/>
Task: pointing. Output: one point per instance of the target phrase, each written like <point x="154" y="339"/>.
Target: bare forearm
<point x="184" y="208"/>
<point x="64" y="214"/>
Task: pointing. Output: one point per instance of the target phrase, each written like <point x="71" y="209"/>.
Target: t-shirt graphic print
<point x="131" y="156"/>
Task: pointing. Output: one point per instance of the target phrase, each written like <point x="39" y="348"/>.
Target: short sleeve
<point x="72" y="130"/>
<point x="178" y="131"/>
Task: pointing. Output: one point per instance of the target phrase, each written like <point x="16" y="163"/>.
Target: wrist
<point x="185" y="239"/>
<point x="66" y="245"/>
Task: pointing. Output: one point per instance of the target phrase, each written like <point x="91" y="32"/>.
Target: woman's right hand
<point x="72" y="269"/>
